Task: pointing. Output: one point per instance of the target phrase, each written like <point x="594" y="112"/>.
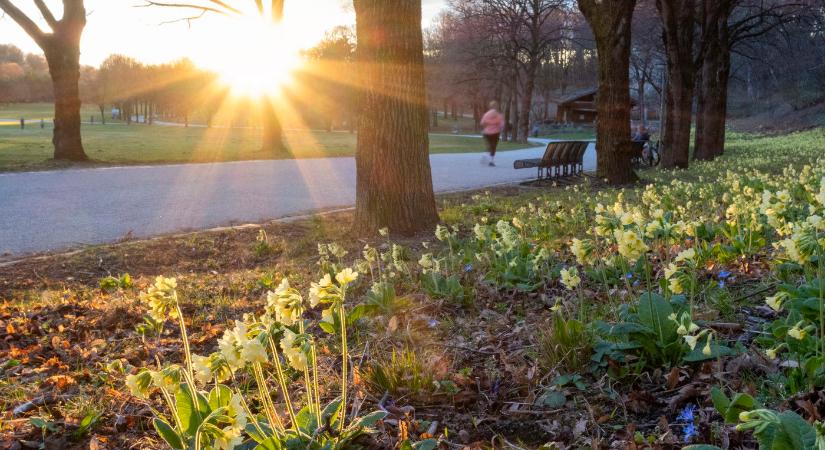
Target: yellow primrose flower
<point x="254" y="352"/>
<point x="162" y="299"/>
<point x="202" y="369"/>
<point x="775" y="301"/>
<point x="670" y="270"/>
<point x="691" y="341"/>
<point x="686" y="255"/>
<point x="582" y="250"/>
<point x="771" y="353"/>
<point x="319" y="291"/>
<point x="139" y="384"/>
<point x="675" y="285"/>
<point x="236" y="412"/>
<point x="346" y="276"/>
<point x="228" y="439"/>
<point x="294" y="355"/>
<point x="570" y="278"/>
<point x="797" y="333"/>
<point x="707" y="350"/>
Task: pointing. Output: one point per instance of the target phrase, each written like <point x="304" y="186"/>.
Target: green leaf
<point x="168" y="434"/>
<point x="552" y="399"/>
<point x="305" y="420"/>
<point x="720" y="401"/>
<point x="654" y="312"/>
<point x="190" y="418"/>
<point x="716" y="351"/>
<point x="85" y="424"/>
<point x="370" y="419"/>
<point x="740" y="402"/>
<point x="332" y="412"/>
<point x="426" y="444"/>
<point x="328" y="327"/>
<point x="793" y="433"/>
<point x="219" y="396"/>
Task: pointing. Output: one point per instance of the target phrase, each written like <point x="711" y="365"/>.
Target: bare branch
<point x="182" y="5"/>
<point x="24" y="21"/>
<point x="47" y="14"/>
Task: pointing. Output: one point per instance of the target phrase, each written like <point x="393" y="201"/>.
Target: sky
<point x="153" y="36"/>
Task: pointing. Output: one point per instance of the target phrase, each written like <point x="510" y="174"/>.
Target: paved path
<point x="57" y="210"/>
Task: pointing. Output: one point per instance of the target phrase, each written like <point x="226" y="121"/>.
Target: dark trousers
<point x="492" y="143"/>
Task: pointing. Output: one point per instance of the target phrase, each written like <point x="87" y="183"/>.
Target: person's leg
<point x="493" y="146"/>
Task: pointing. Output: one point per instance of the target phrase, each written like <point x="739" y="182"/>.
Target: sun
<point x="254" y="57"/>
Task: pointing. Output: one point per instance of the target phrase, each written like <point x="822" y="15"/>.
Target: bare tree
<point x="62" y="49"/>
<point x="611" y="23"/>
<point x="725" y="24"/>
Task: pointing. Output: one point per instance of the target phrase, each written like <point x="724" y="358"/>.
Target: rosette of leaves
<point x="646" y="332"/>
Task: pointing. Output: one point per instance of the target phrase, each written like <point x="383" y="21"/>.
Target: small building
<point x="579" y="107"/>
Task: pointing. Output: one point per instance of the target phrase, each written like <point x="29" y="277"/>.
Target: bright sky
<point x="117" y="26"/>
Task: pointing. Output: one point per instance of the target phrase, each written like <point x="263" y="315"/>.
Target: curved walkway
<point x="57" y="210"/>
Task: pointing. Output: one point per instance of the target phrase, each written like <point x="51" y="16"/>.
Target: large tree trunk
<point x="611" y="22"/>
<point x="713" y="88"/>
<point x="678" y="20"/>
<point x="394" y="187"/>
<point x="63" y="57"/>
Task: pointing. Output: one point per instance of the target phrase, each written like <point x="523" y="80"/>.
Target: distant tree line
<point x="24" y="77"/>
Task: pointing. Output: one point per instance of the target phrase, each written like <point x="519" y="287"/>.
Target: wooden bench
<point x="560" y="159"/>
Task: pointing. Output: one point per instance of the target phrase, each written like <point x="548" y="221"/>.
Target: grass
<point x="118" y="144"/>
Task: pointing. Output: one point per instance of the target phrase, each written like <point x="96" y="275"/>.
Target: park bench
<point x="560" y="159"/>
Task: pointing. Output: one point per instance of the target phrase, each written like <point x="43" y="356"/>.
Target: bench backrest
<point x="582" y="150"/>
<point x="564" y="152"/>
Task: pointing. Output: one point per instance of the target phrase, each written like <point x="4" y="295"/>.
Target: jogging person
<point x="492" y="123"/>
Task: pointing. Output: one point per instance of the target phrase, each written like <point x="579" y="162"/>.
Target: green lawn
<point x="118" y="144"/>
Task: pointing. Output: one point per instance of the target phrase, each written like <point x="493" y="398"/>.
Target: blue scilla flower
<point x="629" y="275"/>
<point x="723" y="274"/>
<point x="721" y="284"/>
<point x="468" y="267"/>
<point x="690" y="432"/>
<point x="686" y="415"/>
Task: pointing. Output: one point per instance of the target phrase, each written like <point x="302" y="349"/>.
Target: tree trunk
<point x="63" y="58"/>
<point x="713" y="89"/>
<point x="611" y="23"/>
<point x="710" y="135"/>
<point x="642" y="106"/>
<point x="507" y="112"/>
<point x="394" y="187"/>
<point x="527" y="99"/>
<point x="678" y="23"/>
<point x="272" y="139"/>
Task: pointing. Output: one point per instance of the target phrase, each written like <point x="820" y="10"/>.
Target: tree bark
<point x="527" y="99"/>
<point x="713" y="90"/>
<point x="611" y="22"/>
<point x="394" y="187"/>
<point x="678" y="28"/>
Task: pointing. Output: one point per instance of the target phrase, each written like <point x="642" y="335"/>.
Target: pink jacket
<point x="493" y="122"/>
